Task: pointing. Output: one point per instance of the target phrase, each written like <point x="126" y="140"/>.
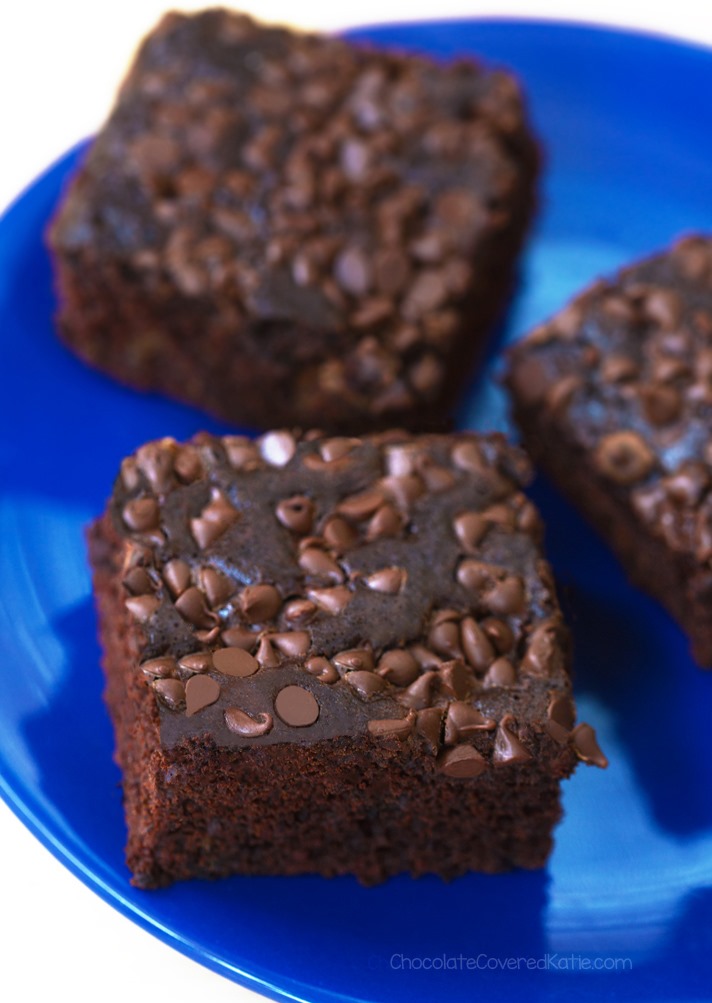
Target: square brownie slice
<point x="333" y="655"/>
<point x="614" y="400"/>
<point x="283" y="228"/>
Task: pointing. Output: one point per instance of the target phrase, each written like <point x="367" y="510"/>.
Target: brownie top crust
<point x="295" y="588"/>
<point x="307" y="180"/>
<point x="626" y="369"/>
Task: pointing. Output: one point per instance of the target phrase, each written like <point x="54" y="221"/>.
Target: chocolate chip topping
<point x="415" y="631"/>
<point x="297" y="707"/>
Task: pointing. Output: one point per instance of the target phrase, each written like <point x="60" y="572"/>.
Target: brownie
<point x="614" y="399"/>
<point x="333" y="655"/>
<point x="284" y="228"/>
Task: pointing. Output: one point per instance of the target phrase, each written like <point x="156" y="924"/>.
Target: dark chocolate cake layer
<point x="333" y="655"/>
<point x="614" y="400"/>
<point x="290" y="229"/>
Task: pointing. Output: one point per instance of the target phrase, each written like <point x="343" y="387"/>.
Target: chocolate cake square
<point x="333" y="656"/>
<point x="283" y="228"/>
<point x="614" y="400"/>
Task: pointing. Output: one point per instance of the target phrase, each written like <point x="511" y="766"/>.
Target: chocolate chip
<point x="235" y="662"/>
<point x="398" y="728"/>
<point x="354" y="658"/>
<point x="361" y="506"/>
<point x="242" y="454"/>
<point x="664" y="308"/>
<point x="389" y="581"/>
<point x="171" y="692"/>
<point x="507" y="747"/>
<point x="462" y="763"/>
<point x="586" y="745"/>
<point x="239" y="637"/>
<point x="176" y="575"/>
<point x="560" y="718"/>
<point x="398" y="667"/>
<point x="403" y="490"/>
<point x="624" y="457"/>
<point x="266" y="655"/>
<point x="419" y="694"/>
<point x="215" y="518"/>
<point x="159" y="668"/>
<point x="661" y="404"/>
<point x="466" y="455"/>
<point x="216" y="586"/>
<point x="476" y="575"/>
<point x="296" y="706"/>
<point x="293" y="643"/>
<point x="429" y="724"/>
<point x="318" y="564"/>
<point x="385" y="522"/>
<point x="155" y="460"/>
<point x="445" y="639"/>
<point x="260" y="603"/>
<point x="141" y="514"/>
<point x="142" y="608"/>
<point x="425" y="658"/>
<point x="277" y="448"/>
<point x="366" y="684"/>
<point x="137" y="582"/>
<point x="543" y="651"/>
<point x="464" y="720"/>
<point x="191" y="606"/>
<point x="198" y="661"/>
<point x="332" y="601"/>
<point x="339" y="535"/>
<point x="506" y="596"/>
<point x="242" y="723"/>
<point x="187" y="464"/>
<point x="296" y="513"/>
<point x="299" y="611"/>
<point x="322" y="669"/>
<point x="476" y="646"/>
<point x="455" y="680"/>
<point x="200" y="692"/>
<point x="129" y="473"/>
<point x="499" y="633"/>
<point x="333" y="450"/>
<point x="500" y="673"/>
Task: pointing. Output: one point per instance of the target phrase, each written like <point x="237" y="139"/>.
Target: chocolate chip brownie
<point x="614" y="400"/>
<point x="333" y="655"/>
<point x="283" y="228"/>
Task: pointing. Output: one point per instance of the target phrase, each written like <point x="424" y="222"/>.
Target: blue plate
<point x="624" y="910"/>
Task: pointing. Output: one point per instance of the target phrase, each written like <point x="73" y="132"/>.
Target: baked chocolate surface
<point x="614" y="400"/>
<point x="284" y="228"/>
<point x="333" y="655"/>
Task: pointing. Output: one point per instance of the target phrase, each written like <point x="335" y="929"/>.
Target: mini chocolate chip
<point x="465" y="720"/>
<point x="476" y="646"/>
<point x="235" y="662"/>
<point x="244" y="724"/>
<point x="500" y="673"/>
<point x="138" y="582"/>
<point x="361" y="506"/>
<point x="429" y="723"/>
<point x="296" y="513"/>
<point x="216" y="586"/>
<point x="277" y="448"/>
<point x="299" y="611"/>
<point x="141" y="514"/>
<point x="240" y="637"/>
<point x="388" y="581"/>
<point x="321" y="668"/>
<point x="587" y="747"/>
<point x="214" y="519"/>
<point x="159" y="668"/>
<point x="318" y="564"/>
<point x="200" y="692"/>
<point x="293" y="643"/>
<point x="560" y="718"/>
<point x="191" y="606"/>
<point x="385" y="522"/>
<point x="339" y="535"/>
<point x="171" y="692"/>
<point x="624" y="457"/>
<point x="366" y="684"/>
<point x="398" y="728"/>
<point x="508" y="749"/>
<point x="176" y="575"/>
<point x="198" y="661"/>
<point x="142" y="608"/>
<point x="419" y="694"/>
<point x="398" y="667"/>
<point x="354" y="658"/>
<point x="462" y="763"/>
<point x="332" y="601"/>
<point x="296" y="706"/>
<point x="260" y="603"/>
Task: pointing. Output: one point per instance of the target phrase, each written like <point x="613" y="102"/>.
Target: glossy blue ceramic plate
<point x="624" y="910"/>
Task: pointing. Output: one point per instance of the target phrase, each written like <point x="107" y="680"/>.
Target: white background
<point x="60" y="62"/>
